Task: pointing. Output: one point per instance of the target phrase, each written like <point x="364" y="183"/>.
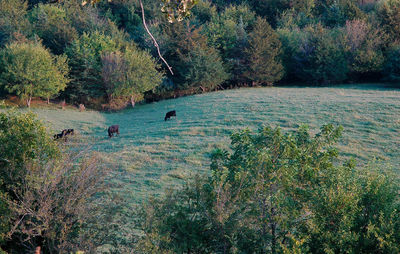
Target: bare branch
<point x="154" y="40"/>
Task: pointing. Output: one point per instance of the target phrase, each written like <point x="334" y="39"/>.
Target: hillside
<point x="152" y="154"/>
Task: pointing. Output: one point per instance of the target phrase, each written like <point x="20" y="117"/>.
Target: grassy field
<point x="151" y="154"/>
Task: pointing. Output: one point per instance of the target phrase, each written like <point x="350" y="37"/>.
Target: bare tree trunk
<point x="28" y="101"/>
<point x="48" y="100"/>
<point x="132" y="101"/>
<point x="154" y="40"/>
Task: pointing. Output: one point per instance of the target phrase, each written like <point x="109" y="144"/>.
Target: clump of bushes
<point x="280" y="193"/>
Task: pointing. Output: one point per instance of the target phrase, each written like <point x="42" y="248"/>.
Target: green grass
<point x="151" y="154"/>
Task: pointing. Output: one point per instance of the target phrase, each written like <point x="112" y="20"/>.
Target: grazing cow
<point x="61" y="135"/>
<point x="170" y="114"/>
<point x="113" y="129"/>
<point x="70" y="131"/>
<point x="57" y="136"/>
<point x="64" y="134"/>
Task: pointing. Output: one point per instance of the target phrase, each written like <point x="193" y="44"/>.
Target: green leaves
<point x="279" y="192"/>
<point x="30" y="70"/>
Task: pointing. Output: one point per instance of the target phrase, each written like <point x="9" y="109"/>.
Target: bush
<point x="279" y="193"/>
<point x="45" y="193"/>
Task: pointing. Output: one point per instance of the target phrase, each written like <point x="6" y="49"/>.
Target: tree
<point x="13" y="19"/>
<point x="130" y="74"/>
<point x="263" y="52"/>
<point x="270" y="9"/>
<point x="392" y="64"/>
<point x="51" y="24"/>
<point x="198" y="66"/>
<point x="29" y="70"/>
<point x="228" y="33"/>
<point x="364" y="45"/>
<point x="320" y="57"/>
<point x="389" y="15"/>
<point x="85" y="62"/>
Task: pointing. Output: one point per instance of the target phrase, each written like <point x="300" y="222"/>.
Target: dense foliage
<point x="210" y="44"/>
<point x="44" y="194"/>
<point x="29" y="70"/>
<point x="278" y="193"/>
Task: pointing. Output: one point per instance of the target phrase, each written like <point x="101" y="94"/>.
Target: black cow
<point x="61" y="135"/>
<point x="113" y="129"/>
<point x="170" y="114"/>
<point x="64" y="134"/>
<point x="70" y="132"/>
<point x="57" y="136"/>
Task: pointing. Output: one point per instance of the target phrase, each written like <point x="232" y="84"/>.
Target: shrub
<point x="279" y="193"/>
<point x="45" y="193"/>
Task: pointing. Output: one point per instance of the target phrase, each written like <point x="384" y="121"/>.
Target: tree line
<point x="100" y="53"/>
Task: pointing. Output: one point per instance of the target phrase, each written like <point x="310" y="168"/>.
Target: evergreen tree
<point x="51" y="24"/>
<point x="265" y="66"/>
<point x="198" y="66"/>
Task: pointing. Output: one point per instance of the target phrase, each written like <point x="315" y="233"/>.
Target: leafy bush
<point x="44" y="193"/>
<point x="279" y="193"/>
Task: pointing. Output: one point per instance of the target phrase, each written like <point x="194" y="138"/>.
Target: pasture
<point x="151" y="154"/>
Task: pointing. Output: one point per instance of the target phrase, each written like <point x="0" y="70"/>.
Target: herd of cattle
<point x="111" y="130"/>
